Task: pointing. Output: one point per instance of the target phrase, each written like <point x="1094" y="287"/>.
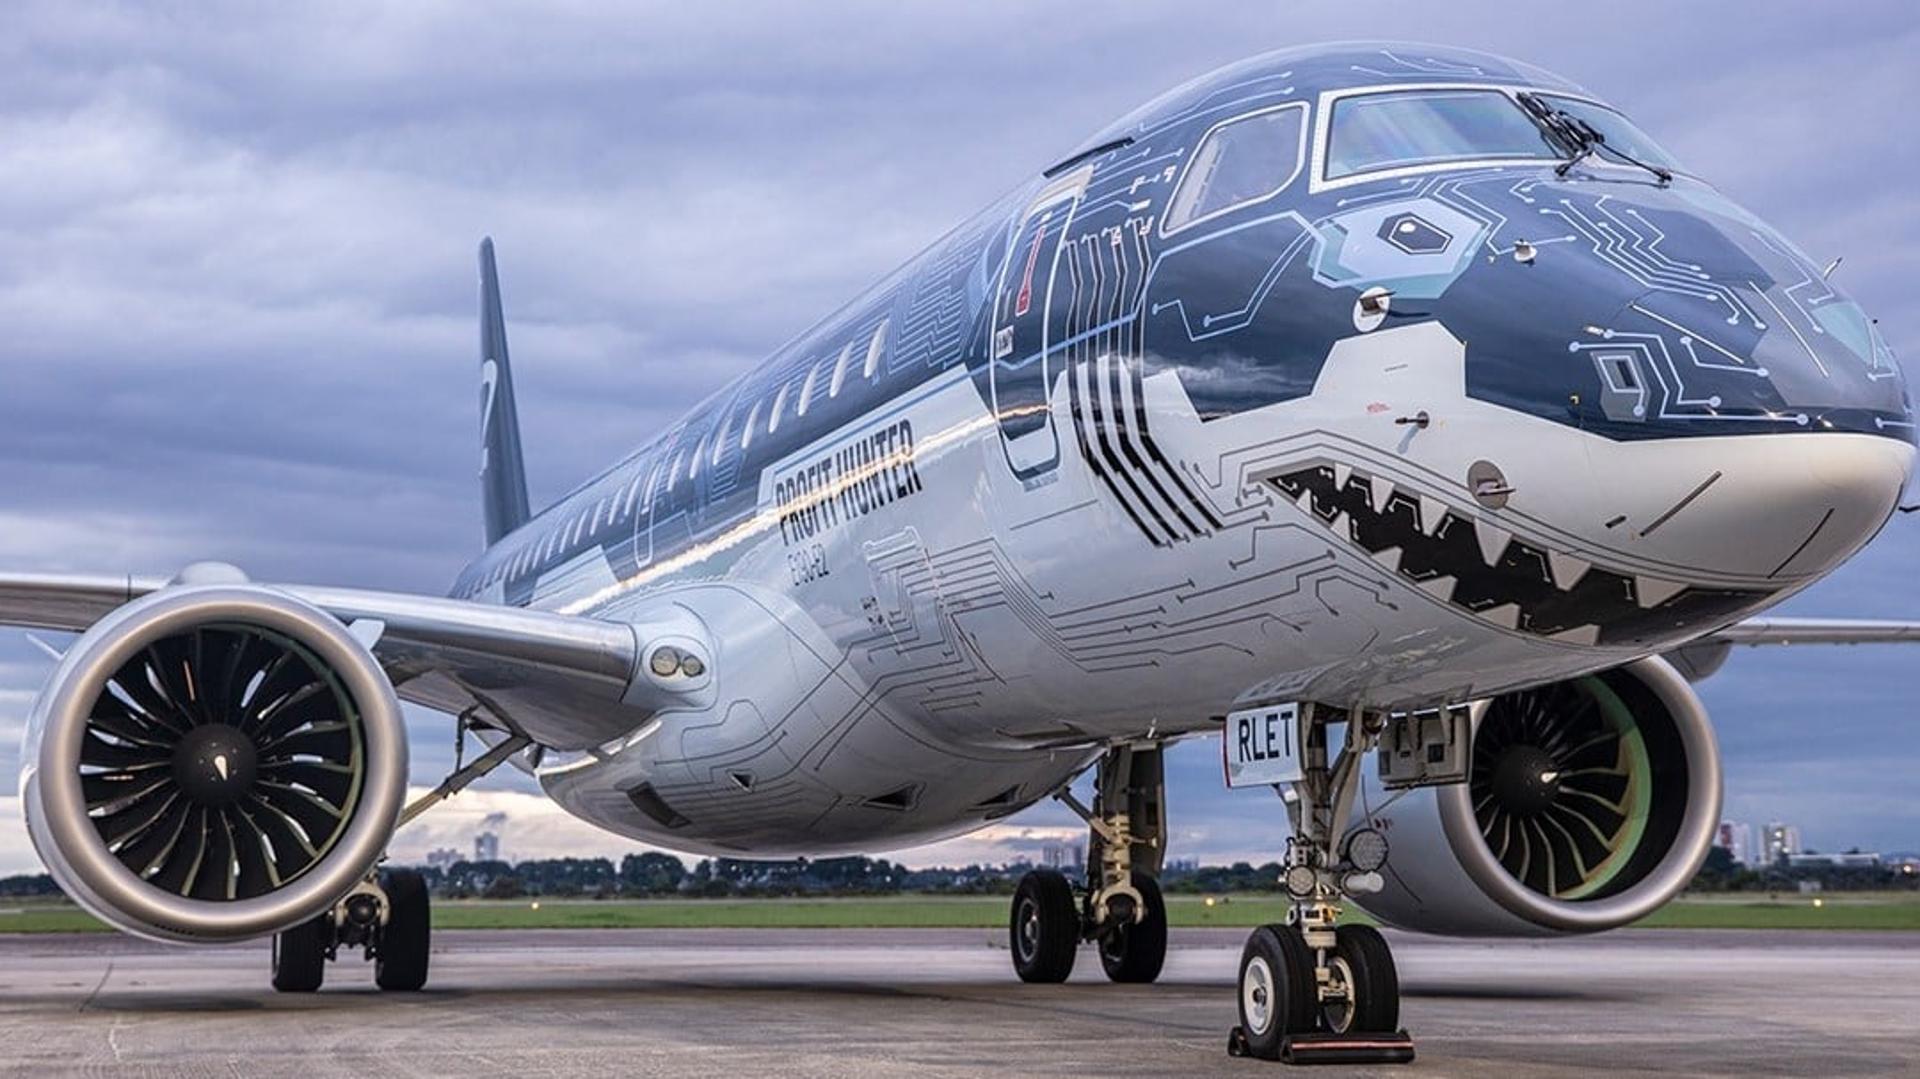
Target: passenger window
<point x="806" y="391"/>
<point x="779" y="403"/>
<point x="1239" y="162"/>
<point x="840" y="370"/>
<point x="746" y="433"/>
<point x="874" y="348"/>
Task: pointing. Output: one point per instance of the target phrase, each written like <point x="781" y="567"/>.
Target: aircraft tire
<point x="1135" y="951"/>
<point x="1277" y="995"/>
<point x="400" y="964"/>
<point x="300" y="956"/>
<point x="1043" y="927"/>
<point x="1362" y="956"/>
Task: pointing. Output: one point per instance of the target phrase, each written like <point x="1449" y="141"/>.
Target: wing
<point x="565" y="681"/>
<point x="1816" y="631"/>
<point x="1703" y="657"/>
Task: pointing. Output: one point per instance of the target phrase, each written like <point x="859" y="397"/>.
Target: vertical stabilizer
<point x="503" y="474"/>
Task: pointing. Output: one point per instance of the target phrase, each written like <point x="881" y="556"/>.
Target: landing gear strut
<point x="386" y="916"/>
<point x="1312" y="990"/>
<point x="1121" y="907"/>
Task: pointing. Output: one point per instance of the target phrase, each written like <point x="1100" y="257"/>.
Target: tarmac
<point x="945" y="1002"/>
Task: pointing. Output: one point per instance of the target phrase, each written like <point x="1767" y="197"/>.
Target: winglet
<point x="503" y="473"/>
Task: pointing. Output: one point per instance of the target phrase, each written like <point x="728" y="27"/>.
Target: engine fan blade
<point x="97" y="752"/>
<point x="332" y="782"/>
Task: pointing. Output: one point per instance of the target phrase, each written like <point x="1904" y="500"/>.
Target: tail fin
<point x="503" y="474"/>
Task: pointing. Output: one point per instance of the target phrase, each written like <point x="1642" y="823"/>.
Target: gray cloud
<point x="236" y="278"/>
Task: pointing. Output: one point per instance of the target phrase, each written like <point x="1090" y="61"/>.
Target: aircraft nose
<point x="1766" y="510"/>
<point x="1732" y="328"/>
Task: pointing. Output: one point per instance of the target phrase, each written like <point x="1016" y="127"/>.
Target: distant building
<point x="1778" y="840"/>
<point x="1736" y="838"/>
<point x="443" y="858"/>
<point x="486" y="847"/>
<point x="1060" y="856"/>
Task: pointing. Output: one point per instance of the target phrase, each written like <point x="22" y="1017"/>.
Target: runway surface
<point x="944" y="1002"/>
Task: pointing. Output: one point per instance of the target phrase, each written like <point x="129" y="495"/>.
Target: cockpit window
<point x="1620" y="132"/>
<point x="1392" y="130"/>
<point x="1242" y="161"/>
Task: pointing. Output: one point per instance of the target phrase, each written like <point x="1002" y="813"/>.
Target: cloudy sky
<point x="236" y="278"/>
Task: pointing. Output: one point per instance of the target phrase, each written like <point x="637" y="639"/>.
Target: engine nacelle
<point x="1589" y="804"/>
<point x="213" y="762"/>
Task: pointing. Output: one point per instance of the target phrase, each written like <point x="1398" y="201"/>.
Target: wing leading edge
<point x="1757" y="631"/>
<point x="567" y="682"/>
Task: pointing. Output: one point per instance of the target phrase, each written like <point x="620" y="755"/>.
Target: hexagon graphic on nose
<point x="1414" y="247"/>
<point x="1414" y="234"/>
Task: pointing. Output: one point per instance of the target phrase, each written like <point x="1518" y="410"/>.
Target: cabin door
<point x="1024" y="348"/>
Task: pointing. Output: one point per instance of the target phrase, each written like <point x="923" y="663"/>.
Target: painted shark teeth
<point x="1651" y="592"/>
<point x="1493" y="541"/>
<point x="1497" y="576"/>
<point x="1506" y="616"/>
<point x="1582" y="635"/>
<point x="1566" y="569"/>
<point x="1380" y="491"/>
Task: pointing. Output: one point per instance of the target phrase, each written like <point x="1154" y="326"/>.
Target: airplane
<point x="1405" y="417"/>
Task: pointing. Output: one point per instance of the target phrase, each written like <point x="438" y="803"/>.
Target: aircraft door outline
<point x="650" y="488"/>
<point x="1020" y="366"/>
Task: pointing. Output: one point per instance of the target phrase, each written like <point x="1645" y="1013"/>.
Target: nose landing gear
<point x="1312" y="990"/>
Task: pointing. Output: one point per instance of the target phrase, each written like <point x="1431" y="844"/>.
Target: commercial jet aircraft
<point x="1407" y="416"/>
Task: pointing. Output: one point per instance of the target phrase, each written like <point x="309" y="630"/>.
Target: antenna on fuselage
<point x="503" y="472"/>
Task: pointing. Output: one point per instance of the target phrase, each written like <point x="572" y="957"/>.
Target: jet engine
<point x="212" y="762"/>
<point x="1589" y="803"/>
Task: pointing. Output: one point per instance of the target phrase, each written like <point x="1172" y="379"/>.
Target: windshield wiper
<point x="1554" y="121"/>
<point x="1581" y="139"/>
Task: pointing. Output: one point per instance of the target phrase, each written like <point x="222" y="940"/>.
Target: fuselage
<point x="1322" y="377"/>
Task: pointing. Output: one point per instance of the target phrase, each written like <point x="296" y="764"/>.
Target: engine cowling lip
<point x="81" y="860"/>
<point x="1668" y="876"/>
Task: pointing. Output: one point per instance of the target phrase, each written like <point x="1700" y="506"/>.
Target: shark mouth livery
<point x="1405" y="419"/>
<point x="1479" y="567"/>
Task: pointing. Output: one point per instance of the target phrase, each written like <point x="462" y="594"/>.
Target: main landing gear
<point x="1121" y="908"/>
<point x="386" y="916"/>
<point x="1312" y="991"/>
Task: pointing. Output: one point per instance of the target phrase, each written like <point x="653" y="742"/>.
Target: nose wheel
<point x="1312" y="990"/>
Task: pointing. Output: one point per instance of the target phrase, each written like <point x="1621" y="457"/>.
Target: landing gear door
<point x="1021" y="363"/>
